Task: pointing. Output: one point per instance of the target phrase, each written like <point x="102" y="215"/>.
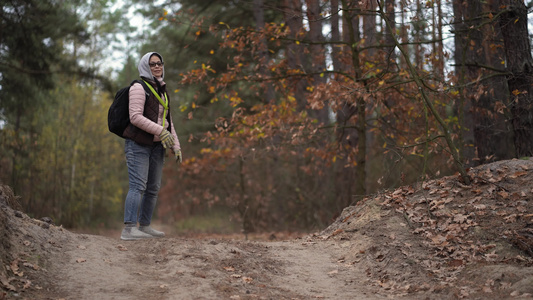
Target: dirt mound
<point x="439" y="239"/>
<point x="445" y="237"/>
<point x="26" y="251"/>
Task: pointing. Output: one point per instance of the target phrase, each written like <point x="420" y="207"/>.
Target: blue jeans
<point x="145" y="166"/>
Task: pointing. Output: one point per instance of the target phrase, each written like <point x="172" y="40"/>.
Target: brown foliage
<point x="282" y="161"/>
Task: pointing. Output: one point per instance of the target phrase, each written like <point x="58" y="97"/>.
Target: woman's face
<point x="156" y="66"/>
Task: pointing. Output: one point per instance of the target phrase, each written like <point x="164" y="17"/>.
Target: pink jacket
<point x="137" y="99"/>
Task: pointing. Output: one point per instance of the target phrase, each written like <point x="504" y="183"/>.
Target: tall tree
<point x="264" y="57"/>
<point x="438" y="42"/>
<point x="293" y="16"/>
<point x="53" y="108"/>
<point x="350" y="13"/>
<point x="317" y="51"/>
<point x="336" y="49"/>
<point x="389" y="38"/>
<point x="345" y="131"/>
<point x="468" y="40"/>
<point x="494" y="132"/>
<point x="519" y="63"/>
<point x="32" y="37"/>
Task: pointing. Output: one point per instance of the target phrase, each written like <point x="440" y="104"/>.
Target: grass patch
<point x="214" y="223"/>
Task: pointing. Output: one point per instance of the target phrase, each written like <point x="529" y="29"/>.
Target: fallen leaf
<point x="459" y="218"/>
<point x="333" y="272"/>
<point x="491" y="256"/>
<point x="81" y="260"/>
<point x="520" y="258"/>
<point x="82" y="247"/>
<point x="518" y="174"/>
<point x="229" y="269"/>
<point x="438" y="239"/>
<point x="503" y="194"/>
<point x="26" y="285"/>
<point x="480" y="206"/>
<point x="35" y="267"/>
<point x="247" y="279"/>
<point x="236" y="276"/>
<point x="464" y="293"/>
<point x="477" y="191"/>
<point x="337" y="232"/>
<point x="6" y="284"/>
<point x="419" y="230"/>
<point x="455" y="263"/>
<point x="121" y="247"/>
<point x="15" y="268"/>
<point x="511" y="218"/>
<point x="522" y="209"/>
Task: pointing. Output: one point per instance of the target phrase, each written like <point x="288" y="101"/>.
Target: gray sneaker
<point x="133" y="233"/>
<point x="149" y="230"/>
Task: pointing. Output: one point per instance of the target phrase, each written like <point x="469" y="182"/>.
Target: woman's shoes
<point x="133" y="233"/>
<point x="149" y="230"/>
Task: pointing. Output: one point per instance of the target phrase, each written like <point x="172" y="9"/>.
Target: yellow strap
<point x="165" y="104"/>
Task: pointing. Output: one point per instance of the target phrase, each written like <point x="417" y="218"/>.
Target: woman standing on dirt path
<point x="148" y="136"/>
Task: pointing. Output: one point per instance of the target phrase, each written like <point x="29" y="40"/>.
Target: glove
<point x="166" y="139"/>
<point x="178" y="156"/>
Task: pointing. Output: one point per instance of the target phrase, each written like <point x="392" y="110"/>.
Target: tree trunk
<point x="389" y="39"/>
<point x="263" y="51"/>
<point x="403" y="32"/>
<point x="419" y="31"/>
<point x="482" y="125"/>
<point x="318" y="57"/>
<point x="445" y="129"/>
<point x="336" y="52"/>
<point x="468" y="43"/>
<point x="360" y="109"/>
<point x="346" y="135"/>
<point x="513" y="24"/>
<point x="292" y="10"/>
<point x="499" y="143"/>
<point x="438" y="41"/>
<point x="369" y="29"/>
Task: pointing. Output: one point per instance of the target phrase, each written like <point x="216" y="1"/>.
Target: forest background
<point x="287" y="111"/>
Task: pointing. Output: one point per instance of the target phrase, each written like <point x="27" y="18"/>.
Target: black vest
<point x="151" y="112"/>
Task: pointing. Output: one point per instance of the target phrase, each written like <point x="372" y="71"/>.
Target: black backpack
<point x="118" y="116"/>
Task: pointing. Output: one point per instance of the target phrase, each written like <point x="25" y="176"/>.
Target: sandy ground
<point x="438" y="240"/>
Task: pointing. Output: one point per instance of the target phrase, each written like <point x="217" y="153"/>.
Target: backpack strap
<point x="145" y="87"/>
<point x="164" y="103"/>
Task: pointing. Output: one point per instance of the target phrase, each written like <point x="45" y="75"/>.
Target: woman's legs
<point x="153" y="184"/>
<point x="145" y="165"/>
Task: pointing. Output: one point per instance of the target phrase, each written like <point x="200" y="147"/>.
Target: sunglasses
<point x="159" y="64"/>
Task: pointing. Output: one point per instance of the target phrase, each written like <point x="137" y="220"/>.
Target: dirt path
<point x="96" y="267"/>
<point x="439" y="240"/>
